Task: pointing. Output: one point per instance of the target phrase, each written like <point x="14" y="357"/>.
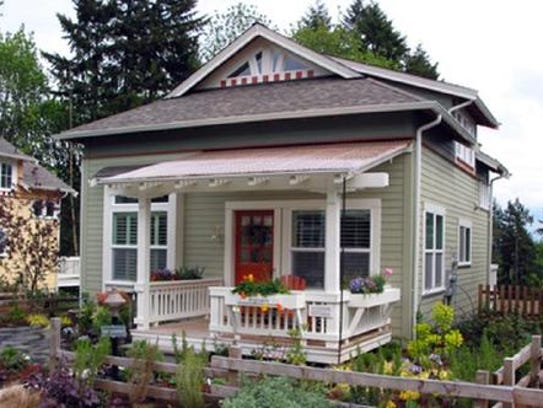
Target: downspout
<point x="490" y="222"/>
<point x="416" y="214"/>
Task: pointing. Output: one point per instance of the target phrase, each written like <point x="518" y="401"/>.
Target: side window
<point x="464" y="243"/>
<point x="434" y="244"/>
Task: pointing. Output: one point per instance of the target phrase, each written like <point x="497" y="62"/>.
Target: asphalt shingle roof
<point x="37" y="177"/>
<point x="290" y="96"/>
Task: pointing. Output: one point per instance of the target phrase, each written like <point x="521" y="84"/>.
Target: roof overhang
<point x="264" y="117"/>
<point x="313" y="167"/>
<point x="493" y="164"/>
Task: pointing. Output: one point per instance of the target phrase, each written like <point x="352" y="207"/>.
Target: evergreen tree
<point x="378" y="35"/>
<point x="418" y="63"/>
<point x="124" y="53"/>
<point x="223" y="28"/>
<point x="316" y="17"/>
<point x="513" y="243"/>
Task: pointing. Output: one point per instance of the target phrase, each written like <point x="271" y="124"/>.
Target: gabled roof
<point x="432" y="85"/>
<point x="258" y="30"/>
<point x="10" y="151"/>
<point x="34" y="175"/>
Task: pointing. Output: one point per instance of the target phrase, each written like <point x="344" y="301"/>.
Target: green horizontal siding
<point x="446" y="185"/>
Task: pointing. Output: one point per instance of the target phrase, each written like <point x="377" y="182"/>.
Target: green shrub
<point x="190" y="379"/>
<point x="90" y="358"/>
<point x="276" y="392"/>
<point x="141" y="373"/>
<point x="13" y="359"/>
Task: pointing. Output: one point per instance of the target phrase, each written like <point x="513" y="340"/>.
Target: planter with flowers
<point x="181" y="273"/>
<point x="265" y="295"/>
<point x="372" y="291"/>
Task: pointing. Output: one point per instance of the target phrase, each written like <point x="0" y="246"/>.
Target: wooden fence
<point x="51" y="305"/>
<point x="522" y="300"/>
<point x="506" y="392"/>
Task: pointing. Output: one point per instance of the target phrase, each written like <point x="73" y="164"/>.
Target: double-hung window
<point x="307" y="251"/>
<point x="124" y="243"/>
<point x="434" y="249"/>
<point x="6" y="176"/>
<point x="464" y="243"/>
<point x="356" y="244"/>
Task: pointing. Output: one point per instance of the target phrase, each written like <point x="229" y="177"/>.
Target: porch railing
<point x="69" y="271"/>
<point x="316" y="314"/>
<point x="174" y="300"/>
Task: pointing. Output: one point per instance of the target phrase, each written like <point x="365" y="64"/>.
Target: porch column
<point x="332" y="282"/>
<point x="143" y="266"/>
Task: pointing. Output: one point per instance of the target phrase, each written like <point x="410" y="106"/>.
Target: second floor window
<point x="6" y="176"/>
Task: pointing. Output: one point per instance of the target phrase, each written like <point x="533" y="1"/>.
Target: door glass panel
<point x="268" y="220"/>
<point x="257" y="220"/>
<point x="245" y="220"/>
<point x="245" y="255"/>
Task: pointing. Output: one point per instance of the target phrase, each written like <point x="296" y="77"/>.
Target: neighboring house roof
<point x="34" y="175"/>
<point x="269" y="161"/>
<point x="8" y="150"/>
<point x="37" y="177"/>
<point x="282" y="98"/>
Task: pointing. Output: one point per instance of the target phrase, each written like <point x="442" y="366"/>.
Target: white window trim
<point x="436" y="210"/>
<point x="14" y="174"/>
<point x="107" y="226"/>
<point x="283" y="230"/>
<point x="462" y="222"/>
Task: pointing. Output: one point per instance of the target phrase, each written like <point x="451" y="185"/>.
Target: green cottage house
<point x="246" y="168"/>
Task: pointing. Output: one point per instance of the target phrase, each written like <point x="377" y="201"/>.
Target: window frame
<point x="13" y="176"/>
<point x="467" y="225"/>
<point x="372" y="205"/>
<point x="436" y="211"/>
<point x="119" y="208"/>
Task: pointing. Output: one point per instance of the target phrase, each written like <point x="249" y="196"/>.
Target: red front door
<point x="254" y="244"/>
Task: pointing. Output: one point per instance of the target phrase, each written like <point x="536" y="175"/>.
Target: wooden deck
<point x="197" y="334"/>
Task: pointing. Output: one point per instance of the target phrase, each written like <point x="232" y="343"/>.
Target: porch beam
<point x="298" y="179"/>
<point x="216" y="182"/>
<point x="368" y="180"/>
<point x="332" y="282"/>
<point x="142" y="286"/>
<point x="182" y="184"/>
<point x="255" y="181"/>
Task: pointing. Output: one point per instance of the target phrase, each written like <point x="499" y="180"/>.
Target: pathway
<point x="31" y="340"/>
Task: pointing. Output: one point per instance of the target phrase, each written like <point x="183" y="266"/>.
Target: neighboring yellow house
<point x="30" y="198"/>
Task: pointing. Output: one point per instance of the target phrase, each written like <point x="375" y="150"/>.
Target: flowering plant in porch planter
<point x="181" y="273"/>
<point x="249" y="287"/>
<point x="370" y="284"/>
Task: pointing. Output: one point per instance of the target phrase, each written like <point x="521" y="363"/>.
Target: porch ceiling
<point x="257" y="166"/>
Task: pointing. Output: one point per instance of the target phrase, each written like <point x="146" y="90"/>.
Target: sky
<point x="490" y="45"/>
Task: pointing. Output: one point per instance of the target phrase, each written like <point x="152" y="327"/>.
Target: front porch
<point x="297" y="217"/>
<point x="242" y="322"/>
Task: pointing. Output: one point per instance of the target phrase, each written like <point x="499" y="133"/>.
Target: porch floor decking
<point x="197" y="333"/>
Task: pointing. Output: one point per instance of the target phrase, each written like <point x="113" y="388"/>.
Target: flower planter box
<point x="366" y="300"/>
<point x="287" y="301"/>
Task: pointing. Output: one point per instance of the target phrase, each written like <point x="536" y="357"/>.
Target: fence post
<point x="54" y="342"/>
<point x="535" y="356"/>
<point x="482" y="377"/>
<point x="508" y="375"/>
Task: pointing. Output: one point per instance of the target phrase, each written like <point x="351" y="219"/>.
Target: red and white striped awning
<point x="254" y="163"/>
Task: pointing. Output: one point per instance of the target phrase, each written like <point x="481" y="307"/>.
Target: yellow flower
<point x="264" y="307"/>
<point x="388" y="367"/>
<point x="443" y="375"/>
<point x="251" y="278"/>
<point x="409" y="395"/>
<point x="390" y="404"/>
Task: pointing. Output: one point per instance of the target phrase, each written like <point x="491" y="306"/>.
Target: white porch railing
<point x="315" y="313"/>
<point x="174" y="300"/>
<point x="69" y="271"/>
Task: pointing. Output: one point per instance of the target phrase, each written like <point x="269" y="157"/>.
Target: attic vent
<point x="268" y="65"/>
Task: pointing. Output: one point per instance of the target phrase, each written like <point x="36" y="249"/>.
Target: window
<point x="485" y="195"/>
<point x="6" y="176"/>
<point x="465" y="154"/>
<point x="125" y="241"/>
<point x="433" y="250"/>
<point x="308" y="241"/>
<point x="464" y="243"/>
<point x="307" y="251"/>
<point x="159" y="246"/>
<point x="3" y="242"/>
<point x="356" y="241"/>
<point x="125" y="236"/>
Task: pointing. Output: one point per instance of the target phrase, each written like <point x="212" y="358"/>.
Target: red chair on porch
<point x="293" y="282"/>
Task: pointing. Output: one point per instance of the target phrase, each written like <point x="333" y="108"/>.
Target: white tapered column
<point x="144" y="263"/>
<point x="332" y="282"/>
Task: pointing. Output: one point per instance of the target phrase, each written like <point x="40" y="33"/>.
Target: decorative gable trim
<point x="258" y="30"/>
